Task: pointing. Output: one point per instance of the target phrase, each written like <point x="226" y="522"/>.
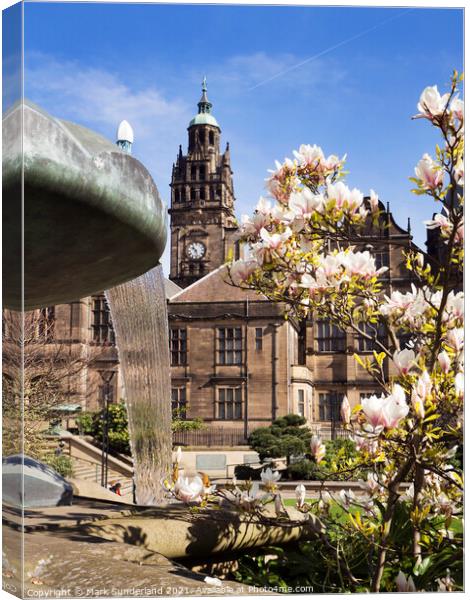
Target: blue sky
<point x="98" y="64"/>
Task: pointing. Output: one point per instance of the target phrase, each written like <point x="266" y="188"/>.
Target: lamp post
<point x="106" y="376"/>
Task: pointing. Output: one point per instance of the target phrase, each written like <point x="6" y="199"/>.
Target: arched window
<point x="211" y="138"/>
<point x="202" y="194"/>
<point x="193" y="172"/>
<point x="202" y="173"/>
<point x="193" y="194"/>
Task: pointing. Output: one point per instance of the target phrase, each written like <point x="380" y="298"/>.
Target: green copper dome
<point x="204" y="119"/>
<point x="204" y="116"/>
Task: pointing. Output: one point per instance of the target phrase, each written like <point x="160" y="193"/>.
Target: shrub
<point x="286" y="437"/>
<point x="60" y="463"/>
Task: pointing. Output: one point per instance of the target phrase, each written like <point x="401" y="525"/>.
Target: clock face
<point x="196" y="250"/>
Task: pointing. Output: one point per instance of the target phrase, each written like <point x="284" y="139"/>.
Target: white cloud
<point x="247" y="70"/>
<point x="100" y="99"/>
<point x="98" y="96"/>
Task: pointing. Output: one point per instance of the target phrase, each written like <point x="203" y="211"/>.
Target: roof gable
<point x="213" y="287"/>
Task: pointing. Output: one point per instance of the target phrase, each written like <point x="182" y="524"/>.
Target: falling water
<point x="138" y="310"/>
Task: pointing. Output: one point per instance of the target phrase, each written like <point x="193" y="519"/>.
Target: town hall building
<point x="236" y="362"/>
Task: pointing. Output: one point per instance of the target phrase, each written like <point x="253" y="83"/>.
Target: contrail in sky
<point x="323" y="52"/>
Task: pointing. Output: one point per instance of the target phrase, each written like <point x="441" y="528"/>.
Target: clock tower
<point x="202" y="201"/>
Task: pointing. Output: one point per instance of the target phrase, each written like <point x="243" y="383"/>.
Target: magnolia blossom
<point x="304" y="203"/>
<point x="189" y="491"/>
<point x="445" y="584"/>
<point x="249" y="500"/>
<point x="271" y="244"/>
<point x="371" y="484"/>
<point x="312" y="160"/>
<point x="459" y="384"/>
<point x="345" y="498"/>
<point x="345" y="411"/>
<point x="404" y="360"/>
<point x="241" y="270"/>
<point x="459" y="171"/>
<point x="178" y="455"/>
<point x="418" y="404"/>
<point x="444" y="361"/>
<point x="405" y="584"/>
<point x="409" y="308"/>
<point x="361" y="264"/>
<point x="270" y="478"/>
<point x="283" y="181"/>
<point x="344" y="198"/>
<point x="457" y="108"/>
<point x="430" y="175"/>
<point x="423" y="385"/>
<point x="455" y="305"/>
<point x="386" y="412"/>
<point x="373" y="201"/>
<point x="252" y="226"/>
<point x="300" y="493"/>
<point x="318" y="449"/>
<point x="455" y="338"/>
<point x="440" y="221"/>
<point x="431" y="104"/>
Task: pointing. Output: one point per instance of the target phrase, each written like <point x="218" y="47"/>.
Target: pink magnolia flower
<point x="308" y="155"/>
<point x="345" y="411"/>
<point x="405" y="584"/>
<point x="189" y="491"/>
<point x="283" y="180"/>
<point x="444" y="361"/>
<point x="429" y="173"/>
<point x="418" y="404"/>
<point x="404" y="360"/>
<point x="264" y="206"/>
<point x="304" y="203"/>
<point x="360" y="264"/>
<point x="241" y="270"/>
<point x="317" y="448"/>
<point x="395" y="407"/>
<point x="424" y="385"/>
<point x="339" y="192"/>
<point x="386" y="412"/>
<point x="431" y="104"/>
<point x="252" y="226"/>
<point x="372" y="407"/>
<point x="459" y="384"/>
<point x="455" y="305"/>
<point x="455" y="338"/>
<point x="371" y="484"/>
<point x="374" y="201"/>
<point x="440" y="221"/>
<point x="270" y="244"/>
<point x="459" y="172"/>
<point x="457" y="107"/>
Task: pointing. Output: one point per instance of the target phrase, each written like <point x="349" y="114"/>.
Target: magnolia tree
<point x="305" y="248"/>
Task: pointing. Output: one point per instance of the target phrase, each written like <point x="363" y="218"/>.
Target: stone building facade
<point x="79" y="334"/>
<point x="237" y="363"/>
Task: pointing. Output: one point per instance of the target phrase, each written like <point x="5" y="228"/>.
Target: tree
<point x="307" y="250"/>
<point x="36" y="370"/>
<point x="286" y="437"/>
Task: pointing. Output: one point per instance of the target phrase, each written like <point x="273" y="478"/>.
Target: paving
<point x="63" y="561"/>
